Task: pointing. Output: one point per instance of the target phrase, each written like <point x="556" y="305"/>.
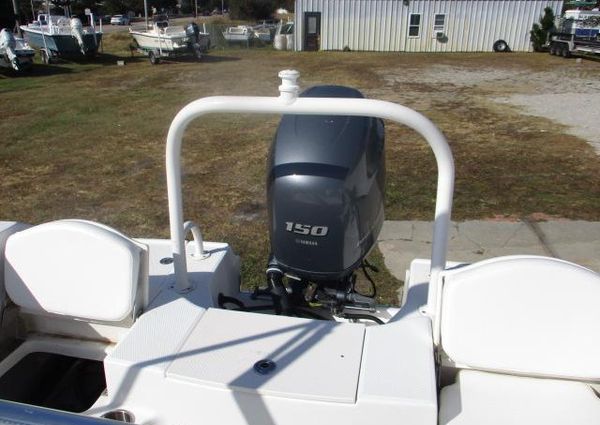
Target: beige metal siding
<point x="382" y="25"/>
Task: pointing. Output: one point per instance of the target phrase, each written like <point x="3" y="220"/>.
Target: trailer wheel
<point x="198" y="54"/>
<point x="153" y="58"/>
<point x="501" y="46"/>
<point x="552" y="49"/>
<point x="565" y="52"/>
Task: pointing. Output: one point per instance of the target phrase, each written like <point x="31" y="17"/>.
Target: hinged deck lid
<point x="314" y="359"/>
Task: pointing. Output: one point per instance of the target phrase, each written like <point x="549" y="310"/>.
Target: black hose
<point x="373" y="293"/>
<point x="224" y="299"/>
<point x="363" y="317"/>
<point x="307" y="312"/>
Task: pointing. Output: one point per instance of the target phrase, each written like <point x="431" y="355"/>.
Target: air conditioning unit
<point x="439" y="35"/>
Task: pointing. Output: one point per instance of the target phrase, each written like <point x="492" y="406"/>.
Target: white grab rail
<point x="289" y="103"/>
<point x="199" y="252"/>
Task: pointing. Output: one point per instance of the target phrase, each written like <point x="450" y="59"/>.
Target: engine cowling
<point x="325" y="190"/>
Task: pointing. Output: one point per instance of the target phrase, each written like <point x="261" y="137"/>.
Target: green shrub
<point x="539" y="32"/>
<point x="251" y="9"/>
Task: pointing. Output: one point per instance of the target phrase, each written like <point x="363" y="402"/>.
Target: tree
<point x="539" y="32"/>
<point x="251" y="9"/>
<point x="287" y="5"/>
<point x="114" y="7"/>
<point x="7" y="17"/>
<point x="78" y="7"/>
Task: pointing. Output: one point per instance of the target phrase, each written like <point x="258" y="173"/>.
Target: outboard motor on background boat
<point x="77" y="32"/>
<point x="193" y="32"/>
<point x="8" y="45"/>
<point x="325" y="190"/>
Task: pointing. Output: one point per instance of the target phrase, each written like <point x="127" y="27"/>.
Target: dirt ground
<point x="566" y="93"/>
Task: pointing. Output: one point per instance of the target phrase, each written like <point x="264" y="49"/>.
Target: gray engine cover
<point x="325" y="190"/>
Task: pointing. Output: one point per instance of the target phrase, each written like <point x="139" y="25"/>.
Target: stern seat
<point x="524" y="333"/>
<point x="69" y="276"/>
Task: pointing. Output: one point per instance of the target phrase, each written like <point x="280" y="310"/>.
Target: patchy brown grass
<point x="87" y="140"/>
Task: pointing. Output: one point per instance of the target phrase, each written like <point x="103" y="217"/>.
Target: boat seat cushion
<point x="523" y="315"/>
<point x="492" y="399"/>
<point x="75" y="268"/>
<point x="7" y="228"/>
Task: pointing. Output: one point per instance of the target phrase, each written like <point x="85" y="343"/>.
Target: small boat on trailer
<point x="238" y="33"/>
<point x="62" y="36"/>
<point x="15" y="53"/>
<point x="158" y="331"/>
<point x="163" y="41"/>
<point x="265" y="31"/>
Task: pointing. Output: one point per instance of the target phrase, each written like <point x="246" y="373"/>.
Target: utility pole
<point x="146" y="13"/>
<point x="17" y="24"/>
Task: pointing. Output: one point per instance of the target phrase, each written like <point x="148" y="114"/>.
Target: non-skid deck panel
<point x="317" y="360"/>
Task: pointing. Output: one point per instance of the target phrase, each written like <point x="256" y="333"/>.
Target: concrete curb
<point x="578" y="241"/>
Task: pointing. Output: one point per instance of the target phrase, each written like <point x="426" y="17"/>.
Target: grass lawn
<point x="87" y="140"/>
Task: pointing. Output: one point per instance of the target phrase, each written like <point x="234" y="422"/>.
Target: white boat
<point x="62" y="36"/>
<point x="265" y="31"/>
<point x="162" y="40"/>
<point x="284" y="36"/>
<point x="264" y="34"/>
<point x="242" y="33"/>
<point x="157" y="331"/>
<point x="15" y="53"/>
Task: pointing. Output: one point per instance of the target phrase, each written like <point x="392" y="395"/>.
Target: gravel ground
<point x="568" y="93"/>
<point x="578" y="111"/>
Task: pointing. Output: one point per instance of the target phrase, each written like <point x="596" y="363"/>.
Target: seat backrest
<point x="7" y="228"/>
<point x="529" y="315"/>
<point x="78" y="269"/>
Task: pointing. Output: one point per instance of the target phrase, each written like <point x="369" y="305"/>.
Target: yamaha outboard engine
<point x="325" y="186"/>
<point x="9" y="44"/>
<point x="77" y="32"/>
<point x="193" y="32"/>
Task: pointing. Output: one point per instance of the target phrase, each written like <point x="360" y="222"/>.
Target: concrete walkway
<point x="576" y="241"/>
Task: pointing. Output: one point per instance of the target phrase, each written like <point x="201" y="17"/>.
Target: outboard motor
<point x="77" y="32"/>
<point x="325" y="190"/>
<point x="9" y="44"/>
<point x="193" y="32"/>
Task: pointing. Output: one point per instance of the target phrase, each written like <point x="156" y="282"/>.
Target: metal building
<point x="417" y="25"/>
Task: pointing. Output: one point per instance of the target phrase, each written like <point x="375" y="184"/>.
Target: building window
<point x="414" y="26"/>
<point x="312" y="24"/>
<point x="439" y="24"/>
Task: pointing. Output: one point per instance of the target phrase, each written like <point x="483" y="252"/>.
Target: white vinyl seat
<point x="76" y="271"/>
<point x="534" y="323"/>
<point x="493" y="399"/>
<point x="7" y="228"/>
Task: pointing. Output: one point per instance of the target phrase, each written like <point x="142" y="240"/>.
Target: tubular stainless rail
<point x="26" y="414"/>
<point x="289" y="103"/>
